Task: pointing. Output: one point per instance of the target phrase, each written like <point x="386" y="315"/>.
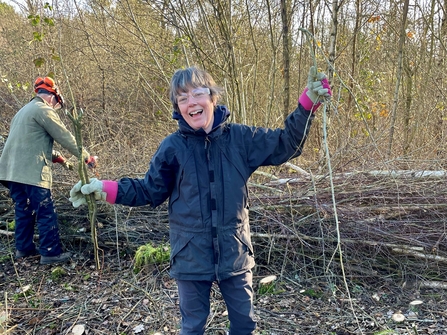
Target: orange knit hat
<point x="50" y="86"/>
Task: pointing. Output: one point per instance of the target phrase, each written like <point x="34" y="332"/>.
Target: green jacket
<point x="26" y="156"/>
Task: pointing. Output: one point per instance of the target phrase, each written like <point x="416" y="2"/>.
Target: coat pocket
<point x="178" y="243"/>
<point x="237" y="250"/>
<point x="46" y="173"/>
<point x="191" y="255"/>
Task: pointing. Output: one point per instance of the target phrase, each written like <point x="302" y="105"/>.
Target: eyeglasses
<point x="197" y="94"/>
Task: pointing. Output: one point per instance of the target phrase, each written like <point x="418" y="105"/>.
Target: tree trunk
<point x="331" y="67"/>
<point x="398" y="76"/>
<point x="409" y="73"/>
<point x="286" y="54"/>
<point x="272" y="71"/>
<point x="358" y="15"/>
<point x="439" y="125"/>
<point x="333" y="39"/>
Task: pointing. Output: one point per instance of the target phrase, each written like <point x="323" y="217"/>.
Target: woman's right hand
<point x="103" y="190"/>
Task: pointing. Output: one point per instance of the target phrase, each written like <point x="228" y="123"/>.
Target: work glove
<point x="57" y="157"/>
<point x="92" y="162"/>
<point x="105" y="190"/>
<point x="316" y="91"/>
<point x="68" y="165"/>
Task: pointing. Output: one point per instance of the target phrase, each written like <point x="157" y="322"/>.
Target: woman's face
<point x="197" y="108"/>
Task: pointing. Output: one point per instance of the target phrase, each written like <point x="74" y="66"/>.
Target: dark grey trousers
<point x="34" y="205"/>
<point x="237" y="292"/>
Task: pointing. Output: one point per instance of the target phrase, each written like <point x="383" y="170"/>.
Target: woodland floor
<point x="114" y="301"/>
<point x="314" y="292"/>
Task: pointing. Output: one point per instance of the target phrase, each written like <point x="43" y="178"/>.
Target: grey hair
<point x="192" y="77"/>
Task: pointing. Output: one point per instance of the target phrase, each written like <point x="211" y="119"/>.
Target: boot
<point x="22" y="254"/>
<point x="63" y="257"/>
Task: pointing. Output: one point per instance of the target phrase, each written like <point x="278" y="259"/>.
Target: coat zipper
<point x="214" y="228"/>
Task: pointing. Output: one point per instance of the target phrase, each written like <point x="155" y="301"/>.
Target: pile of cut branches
<point x="391" y="225"/>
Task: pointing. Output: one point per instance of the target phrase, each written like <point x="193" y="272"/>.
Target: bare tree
<point x="354" y="55"/>
<point x="285" y="18"/>
<point x="398" y="75"/>
<point x="333" y="38"/>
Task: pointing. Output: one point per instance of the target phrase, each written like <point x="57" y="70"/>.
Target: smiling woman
<point x="194" y="95"/>
<point x="197" y="108"/>
<point x="203" y="168"/>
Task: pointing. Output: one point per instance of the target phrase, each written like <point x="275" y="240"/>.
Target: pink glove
<point x="317" y="90"/>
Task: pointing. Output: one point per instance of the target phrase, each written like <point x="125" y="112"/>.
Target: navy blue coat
<point x="205" y="178"/>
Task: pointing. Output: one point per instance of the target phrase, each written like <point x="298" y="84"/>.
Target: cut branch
<point x="83" y="174"/>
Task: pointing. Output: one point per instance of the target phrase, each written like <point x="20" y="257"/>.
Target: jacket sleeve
<point x="155" y="187"/>
<point x="52" y="123"/>
<point x="266" y="146"/>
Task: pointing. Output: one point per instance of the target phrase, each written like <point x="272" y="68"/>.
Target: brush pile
<point x="384" y="225"/>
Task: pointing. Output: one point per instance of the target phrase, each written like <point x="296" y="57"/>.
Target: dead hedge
<point x="391" y="226"/>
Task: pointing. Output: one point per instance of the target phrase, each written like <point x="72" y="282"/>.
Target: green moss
<point x="147" y="254"/>
<point x="57" y="273"/>
<point x="311" y="293"/>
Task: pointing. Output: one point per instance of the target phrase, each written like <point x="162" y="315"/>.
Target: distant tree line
<point x="114" y="59"/>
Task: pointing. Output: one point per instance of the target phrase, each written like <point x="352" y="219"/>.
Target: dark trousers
<point x="35" y="205"/>
<point x="237" y="292"/>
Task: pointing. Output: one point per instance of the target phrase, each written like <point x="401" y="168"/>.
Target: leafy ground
<point x="44" y="299"/>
